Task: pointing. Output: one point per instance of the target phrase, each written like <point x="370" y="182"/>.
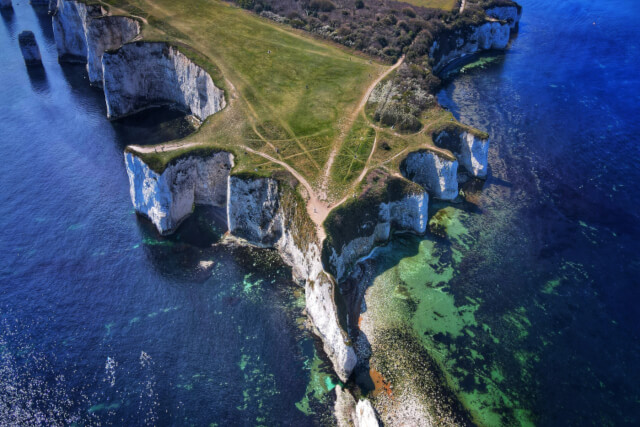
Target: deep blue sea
<point x="101" y="320"/>
<point x="536" y="284"/>
<point x="530" y="302"/>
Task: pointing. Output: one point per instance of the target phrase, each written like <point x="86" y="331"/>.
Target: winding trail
<point x="317" y="209"/>
<point x="352" y="118"/>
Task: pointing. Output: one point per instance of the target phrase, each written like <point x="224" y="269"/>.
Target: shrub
<point x="359" y="4"/>
<point x="409" y="12"/>
<point x="245" y="4"/>
<point x="403" y="25"/>
<point x="297" y="23"/>
<point x="322" y="5"/>
<point x="389" y="20"/>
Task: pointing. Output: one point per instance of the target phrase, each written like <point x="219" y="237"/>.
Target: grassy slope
<point x="290" y="101"/>
<point x="434" y="4"/>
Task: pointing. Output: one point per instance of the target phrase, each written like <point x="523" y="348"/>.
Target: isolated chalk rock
<point x="437" y="174"/>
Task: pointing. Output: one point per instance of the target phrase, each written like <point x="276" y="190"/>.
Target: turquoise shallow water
<point x="101" y="320"/>
<point x="529" y="303"/>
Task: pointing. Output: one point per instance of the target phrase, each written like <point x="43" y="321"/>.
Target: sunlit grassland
<point x="291" y="91"/>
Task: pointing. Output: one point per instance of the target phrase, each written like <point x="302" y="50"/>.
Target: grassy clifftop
<point x="301" y="102"/>
<point x="288" y="93"/>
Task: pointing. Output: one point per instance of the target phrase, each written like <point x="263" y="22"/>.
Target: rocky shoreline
<point x="270" y="211"/>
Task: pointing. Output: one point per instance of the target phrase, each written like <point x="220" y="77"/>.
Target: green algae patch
<point x="321" y="383"/>
<point x="451" y="327"/>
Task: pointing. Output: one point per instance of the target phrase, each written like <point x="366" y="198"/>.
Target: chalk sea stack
<point x="29" y="48"/>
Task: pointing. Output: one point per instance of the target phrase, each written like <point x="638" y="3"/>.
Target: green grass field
<point x="289" y="92"/>
<point x="434" y="4"/>
<point x="291" y="96"/>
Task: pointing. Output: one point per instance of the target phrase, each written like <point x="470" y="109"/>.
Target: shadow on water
<point x="38" y="79"/>
<point x="45" y="21"/>
<point x="153" y="126"/>
<point x="9" y="18"/>
<point x="180" y="254"/>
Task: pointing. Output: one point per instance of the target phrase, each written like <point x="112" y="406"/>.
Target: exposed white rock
<point x="321" y="309"/>
<point x="168" y="198"/>
<point x="348" y="413"/>
<point x="510" y="14"/>
<point x="490" y="35"/>
<point x="365" y="415"/>
<point x="106" y="33"/>
<point x="471" y="151"/>
<point x="305" y="262"/>
<point x="29" y="48"/>
<point x="256" y="213"/>
<point x="70" y="27"/>
<point x="474" y="154"/>
<point x="344" y="408"/>
<point x="140" y="74"/>
<point x="433" y="172"/>
<point x="83" y="33"/>
<point x="252" y="210"/>
<point x="410" y="213"/>
<point x="342" y="259"/>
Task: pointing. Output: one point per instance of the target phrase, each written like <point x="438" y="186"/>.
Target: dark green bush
<point x="322" y="5"/>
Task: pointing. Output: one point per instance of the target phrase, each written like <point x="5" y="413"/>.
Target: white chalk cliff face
<point x="168" y="198"/>
<point x="510" y="14"/>
<point x="69" y="28"/>
<point x="490" y="35"/>
<point x="348" y="413"/>
<point x="107" y="33"/>
<point x="439" y="176"/>
<point x="139" y="75"/>
<point x="256" y="211"/>
<point x="252" y="210"/>
<point x="83" y="33"/>
<point x="471" y="151"/>
<point x="409" y="213"/>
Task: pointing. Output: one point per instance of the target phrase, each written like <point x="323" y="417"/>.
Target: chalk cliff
<point x="265" y="212"/>
<point x="466" y="41"/>
<point x="143" y="74"/>
<point x="169" y="197"/>
<point x="510" y="14"/>
<point x="433" y="171"/>
<point x="470" y="149"/>
<point x="348" y="413"/>
<point x="69" y="28"/>
<point x="409" y="212"/>
<point x="83" y="33"/>
<point x="106" y="33"/>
